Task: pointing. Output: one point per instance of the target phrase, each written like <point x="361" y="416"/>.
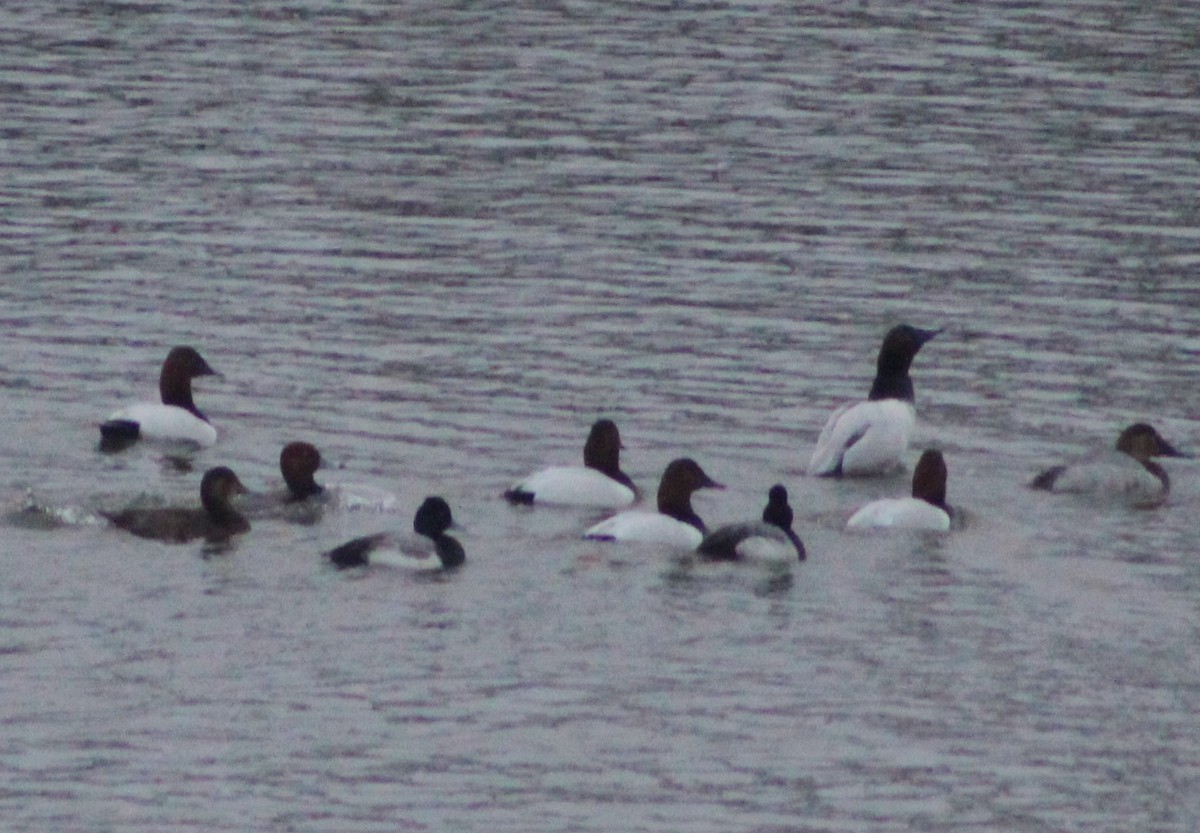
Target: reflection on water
<point x="437" y="242"/>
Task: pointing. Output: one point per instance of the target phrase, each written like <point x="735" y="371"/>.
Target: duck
<point x="302" y="499"/>
<point x="870" y="438"/>
<point x="1127" y="472"/>
<point x="298" y="462"/>
<point x="435" y="550"/>
<point x="215" y="521"/>
<point x="674" y="523"/>
<point x="598" y="483"/>
<point x="925" y="509"/>
<point x="176" y="418"/>
<point x="771" y="539"/>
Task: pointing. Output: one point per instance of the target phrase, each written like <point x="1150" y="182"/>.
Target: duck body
<point x="430" y="549"/>
<point x="645" y="527"/>
<point x="572" y="486"/>
<point x="1127" y="473"/>
<point x="862" y="439"/>
<point x="1114" y="475"/>
<point x="925" y="509"/>
<point x="870" y="437"/>
<point x="598" y="483"/>
<point x="155" y="421"/>
<point x="675" y="523"/>
<point x="751" y="541"/>
<point x="900" y="513"/>
<point x="770" y="539"/>
<point x="215" y="521"/>
<point x="175" y="419"/>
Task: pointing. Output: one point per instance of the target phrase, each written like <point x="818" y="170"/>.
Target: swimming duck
<point x="434" y="551"/>
<point x="176" y="418"/>
<point x="674" y="523"/>
<point x="926" y="509"/>
<point x="216" y="521"/>
<point x="298" y="462"/>
<point x="1127" y="473"/>
<point x="871" y="437"/>
<point x="302" y="500"/>
<point x="598" y="482"/>
<point x="771" y="539"/>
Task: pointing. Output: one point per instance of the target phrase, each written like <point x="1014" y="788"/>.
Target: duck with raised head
<point x="925" y="509"/>
<point x="175" y="419"/>
<point x="434" y="549"/>
<point x="871" y="437"/>
<point x="303" y="499"/>
<point x="298" y="463"/>
<point x="1126" y="473"/>
<point x="771" y="539"/>
<point x="674" y="523"/>
<point x="599" y="482"/>
<point x="215" y="521"/>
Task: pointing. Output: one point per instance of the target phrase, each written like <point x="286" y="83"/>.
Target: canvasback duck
<point x="926" y="509"/>
<point x="674" y="523"/>
<point x="771" y="539"/>
<point x="435" y="550"/>
<point x="302" y="499"/>
<point x="869" y="438"/>
<point x="298" y="462"/>
<point x="176" y="418"/>
<point x="599" y="482"/>
<point x="216" y="521"/>
<point x="1126" y="473"/>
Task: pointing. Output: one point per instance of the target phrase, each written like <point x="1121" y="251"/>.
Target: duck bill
<point x="925" y="335"/>
<point x="709" y="483"/>
<point x="1165" y="449"/>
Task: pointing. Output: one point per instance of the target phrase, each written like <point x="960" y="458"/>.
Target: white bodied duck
<point x="176" y="418"/>
<point x="599" y="482"/>
<point x="674" y="523"/>
<point x="871" y="437"/>
<point x="926" y="509"/>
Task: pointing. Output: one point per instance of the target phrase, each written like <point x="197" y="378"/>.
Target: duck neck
<point x="304" y="487"/>
<point x="892" y="385"/>
<point x="449" y="550"/>
<point x="681" y="511"/>
<point x="796" y="542"/>
<point x="220" y="510"/>
<point x="608" y="464"/>
<point x="177" y="391"/>
<point x="1158" y="471"/>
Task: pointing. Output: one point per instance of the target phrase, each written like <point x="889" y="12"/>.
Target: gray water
<point x="438" y="241"/>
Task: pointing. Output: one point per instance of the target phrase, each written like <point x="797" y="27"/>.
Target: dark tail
<point x="518" y="497"/>
<point x="1046" y="479"/>
<point x="118" y="434"/>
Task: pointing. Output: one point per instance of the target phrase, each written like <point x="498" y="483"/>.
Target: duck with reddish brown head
<point x="175" y="419"/>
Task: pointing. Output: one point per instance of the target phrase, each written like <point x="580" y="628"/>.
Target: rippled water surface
<point x="438" y="240"/>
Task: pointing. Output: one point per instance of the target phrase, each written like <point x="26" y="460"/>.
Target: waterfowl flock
<point x="860" y="439"/>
